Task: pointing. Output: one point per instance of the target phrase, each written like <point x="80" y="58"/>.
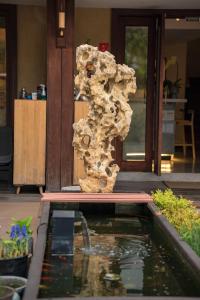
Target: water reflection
<point x="127" y="258"/>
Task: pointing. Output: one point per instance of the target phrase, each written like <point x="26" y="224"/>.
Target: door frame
<point x="158" y="107"/>
<point x="10" y="14"/>
<point x="120" y="19"/>
<point x="160" y="15"/>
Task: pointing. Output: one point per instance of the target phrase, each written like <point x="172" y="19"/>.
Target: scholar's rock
<point x="107" y="86"/>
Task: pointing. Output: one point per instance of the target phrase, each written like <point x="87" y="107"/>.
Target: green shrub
<point x="192" y="236"/>
<point x="181" y="213"/>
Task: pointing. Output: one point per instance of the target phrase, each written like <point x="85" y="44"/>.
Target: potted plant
<point x="171" y="89"/>
<point x="6" y="293"/>
<point x="15" y="251"/>
<point x="15" y="282"/>
<point x="175" y="87"/>
<point x="26" y="222"/>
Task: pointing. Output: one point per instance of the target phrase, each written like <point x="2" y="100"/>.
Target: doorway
<point x="8" y="63"/>
<point x="182" y="78"/>
<point x="8" y="82"/>
<point x="133" y="43"/>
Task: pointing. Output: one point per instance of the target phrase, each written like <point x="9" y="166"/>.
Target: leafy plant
<point x="18" y="242"/>
<point x="24" y="222"/>
<point x="171" y="88"/>
<point x="181" y="213"/>
<point x="177" y="83"/>
<point x="13" y="248"/>
<point x="192" y="236"/>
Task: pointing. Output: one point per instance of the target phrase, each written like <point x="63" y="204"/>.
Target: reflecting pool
<point x="129" y="256"/>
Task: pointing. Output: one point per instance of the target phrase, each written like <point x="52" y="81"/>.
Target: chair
<point x="190" y="123"/>
<point x="6" y="151"/>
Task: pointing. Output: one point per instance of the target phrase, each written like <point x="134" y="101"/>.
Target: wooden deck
<point x="97" y="197"/>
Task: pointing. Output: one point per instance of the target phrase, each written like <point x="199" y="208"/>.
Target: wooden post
<point x="158" y="109"/>
<point x="67" y="117"/>
<point x="60" y="66"/>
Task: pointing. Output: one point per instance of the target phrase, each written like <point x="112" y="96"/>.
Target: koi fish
<point x="46" y="278"/>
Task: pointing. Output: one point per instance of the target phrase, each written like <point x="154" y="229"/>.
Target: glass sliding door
<point x="136" y="54"/>
<point x="133" y="43"/>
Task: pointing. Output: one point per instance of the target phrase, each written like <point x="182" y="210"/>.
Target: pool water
<point x="129" y="256"/>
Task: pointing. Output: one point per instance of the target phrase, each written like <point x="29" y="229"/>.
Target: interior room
<point x="181" y="114"/>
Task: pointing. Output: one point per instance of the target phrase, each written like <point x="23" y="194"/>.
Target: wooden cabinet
<point x="80" y="112"/>
<point x="29" y="143"/>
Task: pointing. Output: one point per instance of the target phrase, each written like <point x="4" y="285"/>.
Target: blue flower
<point x="17" y="229"/>
<point x="24" y="231"/>
<point x="20" y="236"/>
<point x="13" y="234"/>
<point x="18" y="233"/>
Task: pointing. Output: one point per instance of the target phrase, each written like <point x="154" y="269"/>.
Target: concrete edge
<point x="35" y="269"/>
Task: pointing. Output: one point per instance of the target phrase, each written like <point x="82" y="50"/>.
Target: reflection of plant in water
<point x="136" y="57"/>
<point x="136" y="52"/>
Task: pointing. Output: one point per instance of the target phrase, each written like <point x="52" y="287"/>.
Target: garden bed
<point x="182" y="248"/>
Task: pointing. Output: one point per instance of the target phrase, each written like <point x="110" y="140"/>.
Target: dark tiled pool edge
<point x="35" y="270"/>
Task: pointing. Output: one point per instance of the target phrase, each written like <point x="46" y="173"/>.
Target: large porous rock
<point x="107" y="86"/>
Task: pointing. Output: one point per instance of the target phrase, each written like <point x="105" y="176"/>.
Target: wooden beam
<point x="181" y="13"/>
<point x="53" y="103"/>
<point x="97" y="197"/>
<point x="67" y="117"/>
<point x="158" y="106"/>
